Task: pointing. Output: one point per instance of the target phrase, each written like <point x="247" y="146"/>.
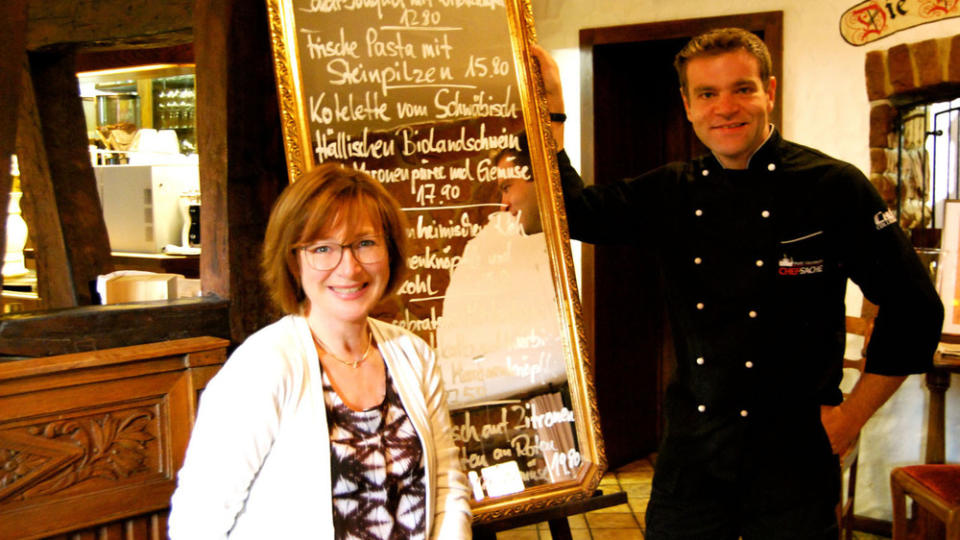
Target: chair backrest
<point x="854" y="360"/>
<point x="858" y="337"/>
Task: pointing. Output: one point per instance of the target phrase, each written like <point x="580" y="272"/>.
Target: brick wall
<point x="902" y="75"/>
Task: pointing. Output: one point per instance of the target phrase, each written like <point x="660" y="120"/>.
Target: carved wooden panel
<point x="79" y="454"/>
<point x="90" y="442"/>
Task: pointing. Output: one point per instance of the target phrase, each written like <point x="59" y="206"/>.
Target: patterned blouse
<point x="377" y="469"/>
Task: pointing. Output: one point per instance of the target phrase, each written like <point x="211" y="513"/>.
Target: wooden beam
<point x="13" y="35"/>
<point x="95" y="60"/>
<point x="55" y="285"/>
<point x="116" y="24"/>
<point x="74" y="187"/>
<point x="242" y="167"/>
<point x="89" y="328"/>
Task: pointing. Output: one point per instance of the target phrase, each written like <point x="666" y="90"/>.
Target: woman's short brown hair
<point x="719" y="41"/>
<point x="322" y="199"/>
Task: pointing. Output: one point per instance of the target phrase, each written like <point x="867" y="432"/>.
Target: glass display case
<point x="120" y="103"/>
<point x="174" y="107"/>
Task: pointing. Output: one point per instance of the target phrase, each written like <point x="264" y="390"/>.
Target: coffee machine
<point x="190" y="211"/>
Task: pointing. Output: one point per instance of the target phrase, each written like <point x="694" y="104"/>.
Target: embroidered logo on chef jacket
<point x="884" y="219"/>
<point x="790" y="267"/>
<point x="797" y="260"/>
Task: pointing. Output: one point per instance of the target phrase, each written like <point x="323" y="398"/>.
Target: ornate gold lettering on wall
<point x="875" y="19"/>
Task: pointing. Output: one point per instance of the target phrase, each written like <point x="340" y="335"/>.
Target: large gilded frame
<point x="542" y="148"/>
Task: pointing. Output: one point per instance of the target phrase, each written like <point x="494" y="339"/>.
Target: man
<point x="757" y="240"/>
<point x="517" y="192"/>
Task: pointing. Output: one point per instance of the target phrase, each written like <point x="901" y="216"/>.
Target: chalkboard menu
<point x="429" y="98"/>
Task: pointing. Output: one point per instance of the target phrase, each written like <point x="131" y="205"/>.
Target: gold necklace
<point x="353" y="364"/>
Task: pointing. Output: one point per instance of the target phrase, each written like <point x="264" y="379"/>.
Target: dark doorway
<point x="633" y="121"/>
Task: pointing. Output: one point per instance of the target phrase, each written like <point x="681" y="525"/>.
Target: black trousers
<point x="779" y="480"/>
<point x="730" y="518"/>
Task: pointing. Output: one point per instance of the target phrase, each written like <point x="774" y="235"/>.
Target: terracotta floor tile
<point x="609" y="480"/>
<point x="578" y="521"/>
<point x="638" y="465"/>
<point x="518" y="534"/>
<point x="635" y="477"/>
<point x="575" y="534"/>
<point x="639" y="490"/>
<point x="612" y="521"/>
<point x="641" y="518"/>
<point x="580" y="534"/>
<point x="619" y="509"/>
<point x="638" y="504"/>
<point x="617" y="534"/>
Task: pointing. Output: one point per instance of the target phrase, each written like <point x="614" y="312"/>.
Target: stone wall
<point x="897" y="79"/>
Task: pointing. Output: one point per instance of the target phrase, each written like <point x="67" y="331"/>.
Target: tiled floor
<point x="624" y="522"/>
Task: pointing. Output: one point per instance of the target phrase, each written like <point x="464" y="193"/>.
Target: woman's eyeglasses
<point x="327" y="255"/>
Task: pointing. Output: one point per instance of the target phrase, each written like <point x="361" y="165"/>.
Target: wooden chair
<point x="857" y="326"/>
<point x="935" y="489"/>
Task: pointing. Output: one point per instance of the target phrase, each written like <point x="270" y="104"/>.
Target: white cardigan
<point x="258" y="462"/>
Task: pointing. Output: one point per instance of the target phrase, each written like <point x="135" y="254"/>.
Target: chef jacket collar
<point x="762" y="157"/>
<point x="765" y="154"/>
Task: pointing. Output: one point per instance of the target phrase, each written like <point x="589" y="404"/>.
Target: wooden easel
<point x="556" y="516"/>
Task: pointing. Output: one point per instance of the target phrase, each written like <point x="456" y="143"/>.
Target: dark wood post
<point x="55" y="286"/>
<point x="74" y="187"/>
<point x="239" y="141"/>
<point x="13" y="43"/>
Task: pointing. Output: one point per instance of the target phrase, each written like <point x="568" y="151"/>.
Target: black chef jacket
<point x="755" y="266"/>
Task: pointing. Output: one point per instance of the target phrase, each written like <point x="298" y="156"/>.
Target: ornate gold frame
<point x="553" y="217"/>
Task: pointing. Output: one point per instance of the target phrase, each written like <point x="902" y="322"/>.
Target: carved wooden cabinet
<point x="90" y="442"/>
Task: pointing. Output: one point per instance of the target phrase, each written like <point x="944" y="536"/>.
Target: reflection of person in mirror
<point x="517" y="192"/>
<point x="327" y="423"/>
<point x="754" y="414"/>
<point x="500" y="332"/>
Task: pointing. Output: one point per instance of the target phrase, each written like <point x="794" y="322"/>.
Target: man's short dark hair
<point x="720" y="41"/>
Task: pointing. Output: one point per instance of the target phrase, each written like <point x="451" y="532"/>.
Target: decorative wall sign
<point x="437" y="99"/>
<point x="874" y="19"/>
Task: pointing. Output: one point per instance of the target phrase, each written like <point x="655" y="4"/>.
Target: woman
<point x="326" y="423"/>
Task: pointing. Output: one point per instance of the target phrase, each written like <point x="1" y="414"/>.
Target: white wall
<point x="824" y="98"/>
<point x="824" y="104"/>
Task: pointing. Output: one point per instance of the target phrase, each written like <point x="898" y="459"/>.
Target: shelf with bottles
<point x="174" y="102"/>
